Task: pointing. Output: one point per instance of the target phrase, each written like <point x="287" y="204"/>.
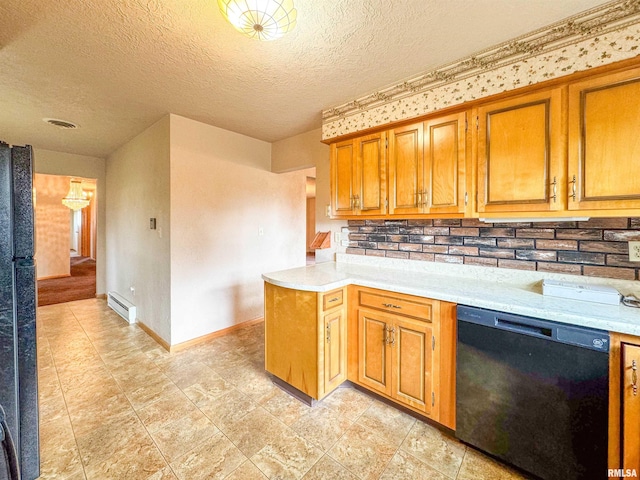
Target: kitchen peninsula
<point x="389" y="326"/>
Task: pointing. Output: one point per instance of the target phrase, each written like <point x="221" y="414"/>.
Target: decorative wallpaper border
<point x="599" y="36"/>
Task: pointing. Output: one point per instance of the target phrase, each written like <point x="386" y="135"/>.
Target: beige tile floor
<point x="115" y="405"/>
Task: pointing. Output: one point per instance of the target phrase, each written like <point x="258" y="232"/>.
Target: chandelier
<point x="261" y="19"/>
<point x="76" y="199"/>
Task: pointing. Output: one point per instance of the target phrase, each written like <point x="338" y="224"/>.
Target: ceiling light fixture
<point x="261" y="19"/>
<point x="56" y="122"/>
<point x="76" y="199"/>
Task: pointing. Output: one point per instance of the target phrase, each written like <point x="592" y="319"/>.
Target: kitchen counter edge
<point x="522" y="300"/>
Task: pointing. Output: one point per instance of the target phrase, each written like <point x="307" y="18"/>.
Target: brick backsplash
<point x="597" y="247"/>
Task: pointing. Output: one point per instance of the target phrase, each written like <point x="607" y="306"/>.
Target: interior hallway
<point x="79" y="286"/>
<point x="116" y="405"/>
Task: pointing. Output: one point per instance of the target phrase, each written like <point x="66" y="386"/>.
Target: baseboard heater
<point x="122" y="306"/>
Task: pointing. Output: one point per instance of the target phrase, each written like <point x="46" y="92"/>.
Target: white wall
<point x="304" y="151"/>
<point x="138" y="186"/>
<point x="59" y="163"/>
<point x="221" y="195"/>
<point x="52" y="226"/>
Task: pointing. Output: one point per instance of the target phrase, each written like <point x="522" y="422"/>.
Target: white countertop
<point x="512" y="292"/>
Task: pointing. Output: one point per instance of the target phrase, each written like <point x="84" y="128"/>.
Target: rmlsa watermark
<point x="622" y="473"/>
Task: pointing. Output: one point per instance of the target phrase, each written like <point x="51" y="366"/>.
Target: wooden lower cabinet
<point x="411" y="355"/>
<point x="305" y="338"/>
<point x="334" y="349"/>
<point x="624" y="403"/>
<point x="399" y="346"/>
<point x="373" y="351"/>
<point x="401" y="352"/>
<point x="630" y="407"/>
<point x="395" y="357"/>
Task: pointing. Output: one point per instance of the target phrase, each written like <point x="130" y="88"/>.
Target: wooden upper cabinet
<point x="604" y="142"/>
<point x="358" y="176"/>
<point x="521" y="161"/>
<point x="371" y="181"/>
<point x="406" y="170"/>
<point x="445" y="160"/>
<point x="342" y="178"/>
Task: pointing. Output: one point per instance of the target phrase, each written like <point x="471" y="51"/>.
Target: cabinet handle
<point x="554" y="184"/>
<point x="334" y="299"/>
<point x="393" y="336"/>
<point x="425" y="197"/>
<point x="634" y="377"/>
<point x="328" y="333"/>
<point x="386" y="334"/>
<point x="351" y="202"/>
<point x="357" y="201"/>
<point x="573" y="188"/>
<point x="418" y="199"/>
<point x="391" y="305"/>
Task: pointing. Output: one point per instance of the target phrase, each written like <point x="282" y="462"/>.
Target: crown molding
<point x="612" y="16"/>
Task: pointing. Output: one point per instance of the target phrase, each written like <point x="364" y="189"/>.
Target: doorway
<point x="311" y="219"/>
<point x="65" y="241"/>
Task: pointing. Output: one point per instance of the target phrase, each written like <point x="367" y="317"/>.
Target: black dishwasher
<point x="533" y="393"/>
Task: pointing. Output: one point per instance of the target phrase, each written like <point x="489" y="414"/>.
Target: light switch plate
<point x="634" y="251"/>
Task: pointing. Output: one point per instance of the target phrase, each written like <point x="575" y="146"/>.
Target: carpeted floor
<point x="80" y="285"/>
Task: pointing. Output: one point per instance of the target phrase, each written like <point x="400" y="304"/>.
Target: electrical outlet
<point x="634" y="251"/>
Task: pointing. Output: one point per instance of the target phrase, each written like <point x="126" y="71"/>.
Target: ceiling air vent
<point x="60" y="123"/>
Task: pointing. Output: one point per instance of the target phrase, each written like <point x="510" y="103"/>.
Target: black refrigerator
<point x="19" y="454"/>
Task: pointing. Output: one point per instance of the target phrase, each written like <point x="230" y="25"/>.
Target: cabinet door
<point x="291" y="348"/>
<point x="604" y="145"/>
<point x="335" y="349"/>
<point x="371" y="196"/>
<point x="520" y="156"/>
<point x="412" y="363"/>
<point x="630" y="407"/>
<point x="374" y="366"/>
<point x="342" y="178"/>
<point x="406" y="170"/>
<point x="445" y="157"/>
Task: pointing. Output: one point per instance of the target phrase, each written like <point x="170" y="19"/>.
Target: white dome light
<point x="261" y="19"/>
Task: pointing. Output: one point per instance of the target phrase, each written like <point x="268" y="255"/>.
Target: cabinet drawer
<point x="409" y="306"/>
<point x="332" y="299"/>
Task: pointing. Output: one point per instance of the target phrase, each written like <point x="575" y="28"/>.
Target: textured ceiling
<point x="116" y="66"/>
